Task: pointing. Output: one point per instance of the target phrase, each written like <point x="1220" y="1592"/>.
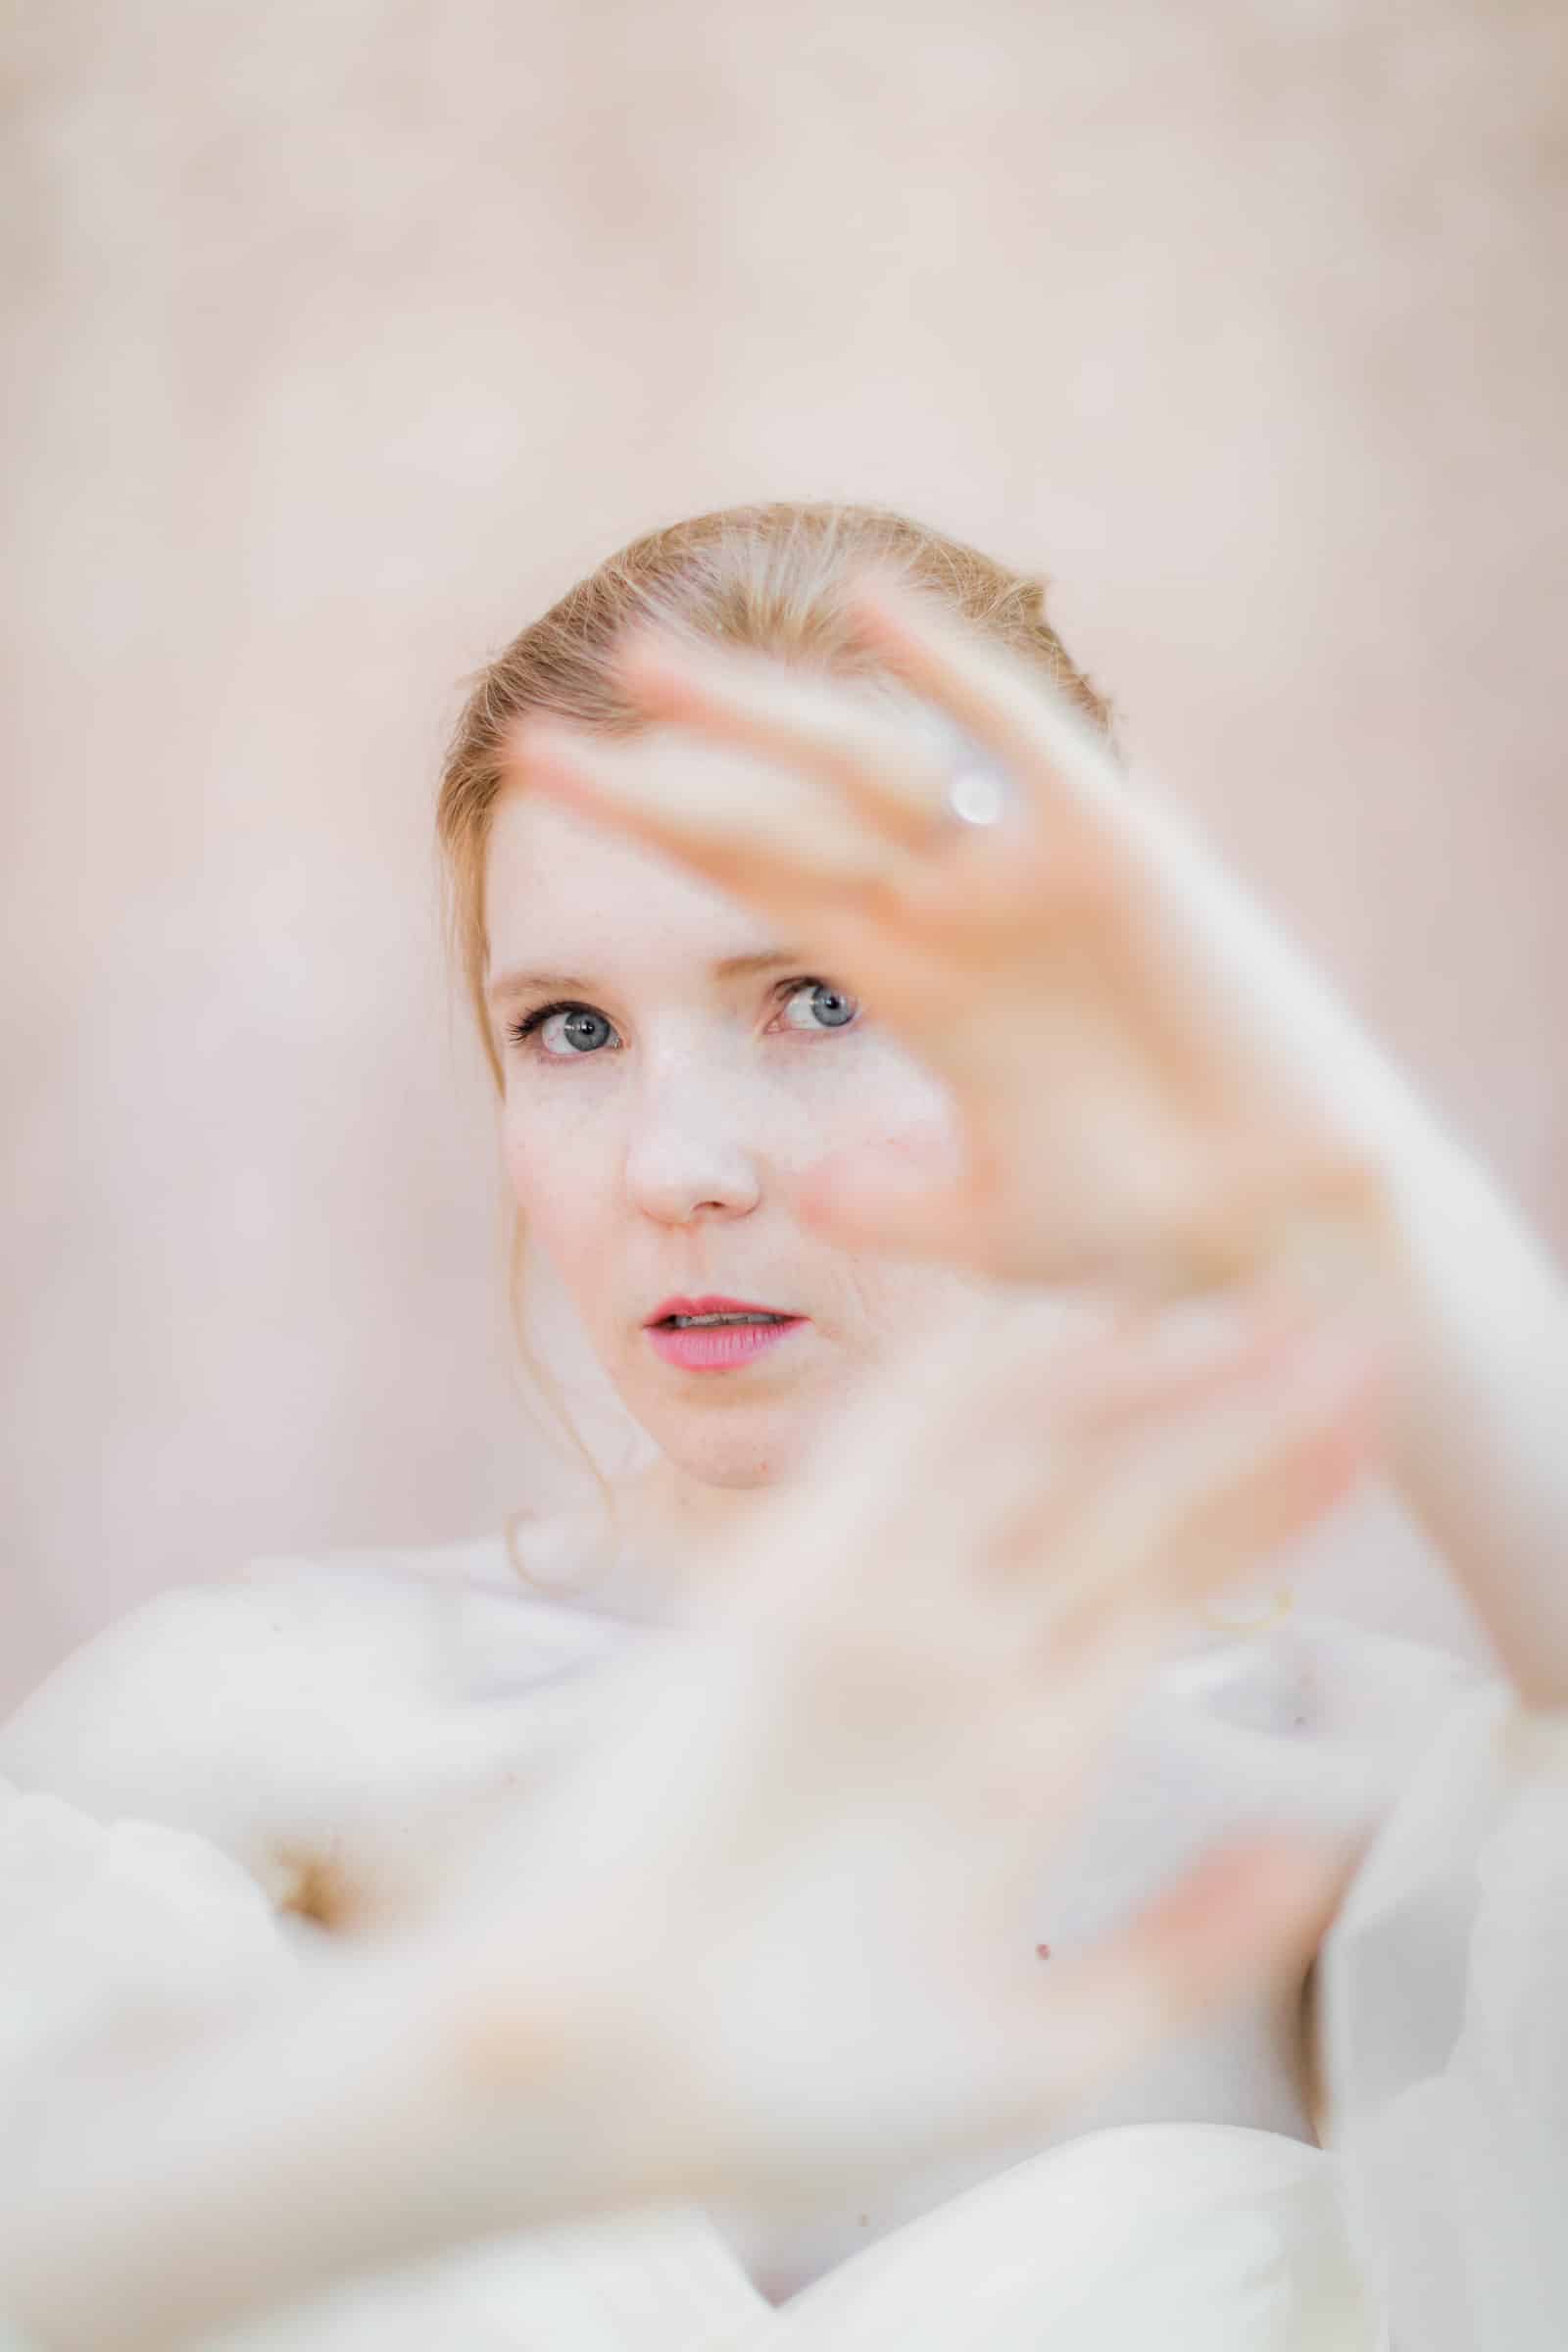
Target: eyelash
<point x="521" y="1032"/>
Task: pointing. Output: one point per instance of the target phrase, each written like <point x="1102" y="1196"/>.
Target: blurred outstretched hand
<point x="767" y="1923"/>
<point x="1133" y="1054"/>
<point x="793" y="1883"/>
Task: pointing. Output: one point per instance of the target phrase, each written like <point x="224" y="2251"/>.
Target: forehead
<point x="565" y="894"/>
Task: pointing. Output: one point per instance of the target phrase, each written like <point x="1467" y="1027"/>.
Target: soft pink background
<point x="350" y="334"/>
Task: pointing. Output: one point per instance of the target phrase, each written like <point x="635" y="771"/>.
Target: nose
<point x="687" y="1159"/>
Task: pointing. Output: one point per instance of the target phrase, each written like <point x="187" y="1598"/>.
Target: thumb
<point x="901" y="1199"/>
<point x="1245" y="1916"/>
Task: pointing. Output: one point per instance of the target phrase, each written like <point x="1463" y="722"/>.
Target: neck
<point x="672" y="1529"/>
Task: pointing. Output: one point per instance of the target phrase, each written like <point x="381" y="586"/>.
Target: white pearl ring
<point x="979" y="792"/>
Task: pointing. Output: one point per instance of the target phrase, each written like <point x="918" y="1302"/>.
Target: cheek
<point x="562" y="1192"/>
<point x="900" y="1303"/>
<point x="875" y="1097"/>
<point x="880" y="1101"/>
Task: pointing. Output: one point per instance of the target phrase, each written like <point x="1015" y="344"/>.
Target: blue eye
<point x="813" y="1005"/>
<point x="564" y="1030"/>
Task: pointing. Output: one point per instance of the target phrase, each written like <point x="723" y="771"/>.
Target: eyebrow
<point x="507" y="986"/>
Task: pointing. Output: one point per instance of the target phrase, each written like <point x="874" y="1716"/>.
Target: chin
<point x="738" y="1449"/>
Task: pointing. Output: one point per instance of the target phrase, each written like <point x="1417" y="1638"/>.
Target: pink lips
<point x="716" y="1346"/>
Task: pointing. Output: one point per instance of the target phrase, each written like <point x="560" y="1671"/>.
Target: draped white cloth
<point x="1445" y="2017"/>
<point x="1433" y="2221"/>
<point x="1194" y="2237"/>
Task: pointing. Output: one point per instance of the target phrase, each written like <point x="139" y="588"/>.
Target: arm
<point x="1474" y="1308"/>
<point x="1479" y="1316"/>
<point x="346" y="2126"/>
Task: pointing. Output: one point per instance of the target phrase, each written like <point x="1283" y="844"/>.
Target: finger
<point x="1042" y="742"/>
<point x="1276" y="1207"/>
<point x="1149" y="1365"/>
<point x="940" y="1491"/>
<point x="765" y="834"/>
<point x="1182" y="1396"/>
<point x="1203" y="1493"/>
<point x="880" y="1199"/>
<point x="1112" y="1566"/>
<point x="894" y="775"/>
<point x="920" y="1489"/>
<point x="1247" y="1917"/>
<point x="1315" y="1220"/>
<point x="873" y="1198"/>
<point x="1326" y="1435"/>
<point x="1016" y="1433"/>
<point x="975" y="1458"/>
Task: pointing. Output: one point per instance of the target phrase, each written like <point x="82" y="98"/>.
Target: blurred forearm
<point x="1480" y="1326"/>
<point x="367" y="2122"/>
<point x="1476" y="1310"/>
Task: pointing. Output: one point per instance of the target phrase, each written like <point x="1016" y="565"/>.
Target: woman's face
<point x="669" y="1069"/>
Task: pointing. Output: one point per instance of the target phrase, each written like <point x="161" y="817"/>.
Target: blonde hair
<point x="768" y="578"/>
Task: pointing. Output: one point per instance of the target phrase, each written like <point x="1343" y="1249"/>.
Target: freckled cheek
<point x="564" y="1192"/>
<point x="875" y="1097"/>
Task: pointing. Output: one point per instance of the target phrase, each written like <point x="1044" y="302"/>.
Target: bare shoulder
<point x="209" y="1709"/>
<point x="177" y="1657"/>
<point x="276" y="1715"/>
<point x="203" y="1654"/>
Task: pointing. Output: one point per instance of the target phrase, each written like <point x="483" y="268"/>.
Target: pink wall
<point x="349" y="334"/>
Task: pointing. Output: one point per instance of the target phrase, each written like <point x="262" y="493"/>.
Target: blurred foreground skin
<point x="890" y="1705"/>
<point x="1157" y="1094"/>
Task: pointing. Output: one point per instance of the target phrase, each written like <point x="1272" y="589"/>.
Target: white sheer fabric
<point x="1447" y="2011"/>
<point x="1197" y="2238"/>
<point x="1445" y="2018"/>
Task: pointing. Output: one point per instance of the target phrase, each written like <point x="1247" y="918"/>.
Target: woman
<point x="1120" y="1077"/>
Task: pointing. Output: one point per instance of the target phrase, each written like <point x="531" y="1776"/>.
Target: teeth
<point x="703" y="1322"/>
